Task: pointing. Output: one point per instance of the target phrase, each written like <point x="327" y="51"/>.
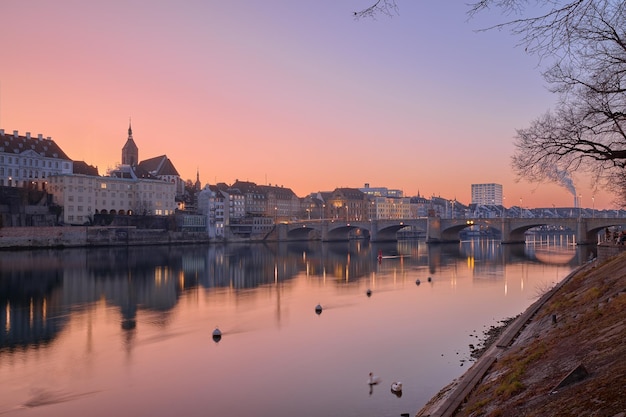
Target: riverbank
<point x="86" y="236"/>
<point x="563" y="356"/>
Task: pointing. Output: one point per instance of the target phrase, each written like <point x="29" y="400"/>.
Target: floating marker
<point x="217" y="335"/>
<point x="417" y="282"/>
<point x="369" y="293"/>
<point x="318" y="309"/>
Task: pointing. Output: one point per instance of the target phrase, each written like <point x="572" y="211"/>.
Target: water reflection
<point x="100" y="331"/>
<point x="39" y="289"/>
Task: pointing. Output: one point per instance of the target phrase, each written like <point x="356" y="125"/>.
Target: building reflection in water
<point x="39" y="289"/>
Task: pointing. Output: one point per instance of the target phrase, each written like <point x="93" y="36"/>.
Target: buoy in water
<point x="369" y="293"/>
<point x="417" y="282"/>
<point x="318" y="309"/>
<point x="217" y="335"/>
<point x="429" y="279"/>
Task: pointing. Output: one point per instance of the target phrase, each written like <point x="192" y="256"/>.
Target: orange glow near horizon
<point x="234" y="91"/>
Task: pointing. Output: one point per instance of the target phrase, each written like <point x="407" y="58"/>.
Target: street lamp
<point x="593" y="206"/>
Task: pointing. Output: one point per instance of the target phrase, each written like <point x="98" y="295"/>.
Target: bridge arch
<point x="344" y="232"/>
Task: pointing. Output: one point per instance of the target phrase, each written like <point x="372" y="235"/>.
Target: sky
<point x="290" y="93"/>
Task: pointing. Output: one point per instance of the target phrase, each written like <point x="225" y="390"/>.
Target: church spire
<point x="198" y="183"/>
<point x="130" y="152"/>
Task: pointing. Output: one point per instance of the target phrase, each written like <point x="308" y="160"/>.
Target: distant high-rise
<point x="487" y="194"/>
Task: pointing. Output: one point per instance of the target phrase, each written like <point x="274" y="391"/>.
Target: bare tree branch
<point x="583" y="45"/>
<point x="385" y="7"/>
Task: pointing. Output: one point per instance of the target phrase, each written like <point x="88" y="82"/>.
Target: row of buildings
<point x="154" y="187"/>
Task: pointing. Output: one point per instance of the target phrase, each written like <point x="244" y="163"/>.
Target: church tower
<point x="198" y="184"/>
<point x="130" y="152"/>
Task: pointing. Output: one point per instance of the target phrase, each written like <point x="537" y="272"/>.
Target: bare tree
<point x="583" y="47"/>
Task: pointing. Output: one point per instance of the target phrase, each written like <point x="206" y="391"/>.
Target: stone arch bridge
<point x="440" y="230"/>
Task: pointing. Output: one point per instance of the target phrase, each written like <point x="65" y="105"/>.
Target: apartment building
<point x="27" y="161"/>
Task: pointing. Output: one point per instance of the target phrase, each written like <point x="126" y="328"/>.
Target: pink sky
<point x="281" y="92"/>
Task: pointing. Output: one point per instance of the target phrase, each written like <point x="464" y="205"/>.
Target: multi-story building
<point x="149" y="187"/>
<point x="29" y="162"/>
<point x="487" y="194"/>
<point x="83" y="196"/>
<point x="282" y="203"/>
<point x="390" y="208"/>
<point x="255" y="198"/>
<point x="347" y="204"/>
<point x="278" y="203"/>
<point x="381" y="192"/>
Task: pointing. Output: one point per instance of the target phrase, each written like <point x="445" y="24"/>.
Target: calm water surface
<point x="128" y="331"/>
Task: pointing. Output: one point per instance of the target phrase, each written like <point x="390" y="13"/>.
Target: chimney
<point x="15" y="134"/>
<point x="1" y="132"/>
<point x="40" y="137"/>
<point x="27" y="135"/>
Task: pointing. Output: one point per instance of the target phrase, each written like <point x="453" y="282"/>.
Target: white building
<point x="487" y="194"/>
<point x="390" y="208"/>
<point x="83" y="196"/>
<point x="28" y="162"/>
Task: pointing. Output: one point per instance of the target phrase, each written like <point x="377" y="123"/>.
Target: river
<point x="129" y="331"/>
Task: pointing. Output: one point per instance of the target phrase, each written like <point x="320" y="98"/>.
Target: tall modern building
<point x="487" y="194"/>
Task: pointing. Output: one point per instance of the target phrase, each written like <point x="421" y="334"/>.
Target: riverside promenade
<point x="449" y="399"/>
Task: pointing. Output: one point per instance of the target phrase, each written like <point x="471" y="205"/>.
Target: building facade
<point x="487" y="194"/>
<point x="83" y="196"/>
<point x="29" y="162"/>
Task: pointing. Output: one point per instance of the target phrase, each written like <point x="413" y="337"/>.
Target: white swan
<point x="396" y="387"/>
<point x="373" y="380"/>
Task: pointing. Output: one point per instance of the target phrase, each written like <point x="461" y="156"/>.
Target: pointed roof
<point x="81" y="167"/>
<point x="159" y="165"/>
<point x="130" y="143"/>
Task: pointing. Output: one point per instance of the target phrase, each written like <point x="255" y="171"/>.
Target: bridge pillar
<point x="374" y="230"/>
<point x="582" y="237"/>
<point x="433" y="229"/>
<point x="507" y="236"/>
<point x="282" y="231"/>
<point x="324" y="231"/>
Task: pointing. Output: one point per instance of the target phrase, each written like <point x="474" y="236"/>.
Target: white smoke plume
<point x="563" y="179"/>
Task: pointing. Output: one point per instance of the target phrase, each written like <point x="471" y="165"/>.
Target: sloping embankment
<point x="568" y="360"/>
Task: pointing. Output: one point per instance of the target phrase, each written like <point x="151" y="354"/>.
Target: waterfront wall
<point x="80" y="236"/>
<point x="607" y="250"/>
